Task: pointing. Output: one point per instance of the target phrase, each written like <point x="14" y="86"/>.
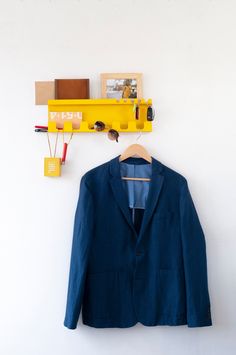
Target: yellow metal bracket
<point x="115" y="113"/>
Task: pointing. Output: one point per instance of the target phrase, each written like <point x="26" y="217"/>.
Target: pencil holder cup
<point x="52" y="167"/>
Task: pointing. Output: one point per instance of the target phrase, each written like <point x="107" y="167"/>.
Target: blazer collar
<point x="122" y="198"/>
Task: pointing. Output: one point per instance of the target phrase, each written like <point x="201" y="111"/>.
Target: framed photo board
<point x="121" y="85"/>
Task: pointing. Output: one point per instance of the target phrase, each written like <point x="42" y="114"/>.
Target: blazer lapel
<point x="122" y="198"/>
<point x="119" y="192"/>
<point x="155" y="187"/>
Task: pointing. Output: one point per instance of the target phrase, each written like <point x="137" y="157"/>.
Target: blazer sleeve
<point x="195" y="262"/>
<point x="81" y="241"/>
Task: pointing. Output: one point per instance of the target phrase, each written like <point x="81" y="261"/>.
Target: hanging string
<point x="49" y="144"/>
<point x="69" y="138"/>
<point x="56" y="145"/>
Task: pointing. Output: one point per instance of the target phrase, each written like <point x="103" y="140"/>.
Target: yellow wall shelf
<point x="115" y="113"/>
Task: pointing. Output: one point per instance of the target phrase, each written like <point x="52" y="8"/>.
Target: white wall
<point x="187" y="53"/>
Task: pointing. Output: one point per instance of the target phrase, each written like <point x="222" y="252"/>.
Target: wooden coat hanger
<point x="139" y="150"/>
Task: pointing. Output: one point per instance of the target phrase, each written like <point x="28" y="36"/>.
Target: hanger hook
<point x="140" y="133"/>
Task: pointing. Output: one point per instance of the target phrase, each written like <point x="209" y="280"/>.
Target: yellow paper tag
<point x="52" y="166"/>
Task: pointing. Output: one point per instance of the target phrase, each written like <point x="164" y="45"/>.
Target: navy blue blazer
<point x="138" y="250"/>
